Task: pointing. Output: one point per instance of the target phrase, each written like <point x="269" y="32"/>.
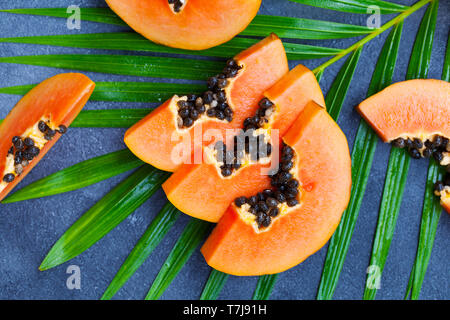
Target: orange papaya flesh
<point x="56" y="101"/>
<point x="203" y="191"/>
<point x="198" y="24"/>
<point x="323" y="168"/>
<point x="156" y="138"/>
<point x="414" y="108"/>
<point x="414" y="114"/>
<point x="291" y="94"/>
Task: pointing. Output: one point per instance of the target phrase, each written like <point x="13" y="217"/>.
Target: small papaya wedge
<point x="36" y="123"/>
<point x="187" y="24"/>
<point x="415" y="115"/>
<point x="273" y="234"/>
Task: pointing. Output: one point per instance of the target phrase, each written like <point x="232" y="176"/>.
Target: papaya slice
<point x="187" y="24"/>
<point x="205" y="190"/>
<point x="414" y="115"/>
<point x="232" y="96"/>
<point x="273" y="234"/>
<point x="37" y="121"/>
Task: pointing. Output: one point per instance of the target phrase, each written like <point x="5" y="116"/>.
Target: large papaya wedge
<point x="285" y="225"/>
<point x="37" y="121"/>
<point x="187" y="24"/>
<point x="415" y="115"/>
<point x="160" y="138"/>
<point x="206" y="190"/>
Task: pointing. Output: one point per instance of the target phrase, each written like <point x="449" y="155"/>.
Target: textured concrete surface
<point x="29" y="229"/>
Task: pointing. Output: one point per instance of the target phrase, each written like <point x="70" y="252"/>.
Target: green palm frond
<point x="189" y="240"/>
<point x="127" y="91"/>
<point x="214" y="285"/>
<point x="362" y="157"/>
<point x="138" y="187"/>
<point x="296" y="28"/>
<point x="102" y="15"/>
<point x="338" y="91"/>
<point x="78" y="176"/>
<point x="334" y="102"/>
<point x="430" y="215"/>
<point x="135" y="42"/>
<point x="264" y="287"/>
<point x="399" y="159"/>
<point x="355" y="6"/>
<point x="111" y="118"/>
<point x="105" y="215"/>
<point x="142" y="66"/>
<point x="155" y="232"/>
<point x="261" y="26"/>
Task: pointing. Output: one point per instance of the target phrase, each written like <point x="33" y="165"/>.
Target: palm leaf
<point x="261" y="26"/>
<point x="105" y="215"/>
<point x="354" y="6"/>
<point x="334" y="101"/>
<point x="143" y="66"/>
<point x="362" y="157"/>
<point x="78" y="176"/>
<point x="319" y="74"/>
<point x="298" y="28"/>
<point x="126" y="91"/>
<point x="430" y="218"/>
<point x="338" y="91"/>
<point x="446" y="68"/>
<point x="214" y="285"/>
<point x="430" y="215"/>
<point x="189" y="240"/>
<point x="145" y="246"/>
<point x="101" y="15"/>
<point x="264" y="287"/>
<point x="135" y="42"/>
<point x="373" y="35"/>
<point x="395" y="182"/>
<point x="399" y="160"/>
<point x="113" y="118"/>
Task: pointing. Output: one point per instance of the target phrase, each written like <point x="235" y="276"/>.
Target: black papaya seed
<point x="8" y="178"/>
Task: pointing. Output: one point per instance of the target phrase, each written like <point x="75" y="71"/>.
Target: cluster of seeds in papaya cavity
<point x="248" y="145"/>
<point x="438" y="148"/>
<point x="213" y="103"/>
<point x="262" y="115"/>
<point x="424" y="149"/>
<point x="176" y="4"/>
<point x="25" y="149"/>
<point x="443" y="185"/>
<point x="266" y="205"/>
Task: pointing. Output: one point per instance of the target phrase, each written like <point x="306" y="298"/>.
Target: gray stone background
<point x="29" y="229"/>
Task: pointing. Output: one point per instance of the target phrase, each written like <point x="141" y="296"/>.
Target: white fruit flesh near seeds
<point x="172" y="6"/>
<point x="204" y="117"/>
<point x="39" y="141"/>
<point x="201" y="119"/>
<point x="211" y="155"/>
<point x="445" y="193"/>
